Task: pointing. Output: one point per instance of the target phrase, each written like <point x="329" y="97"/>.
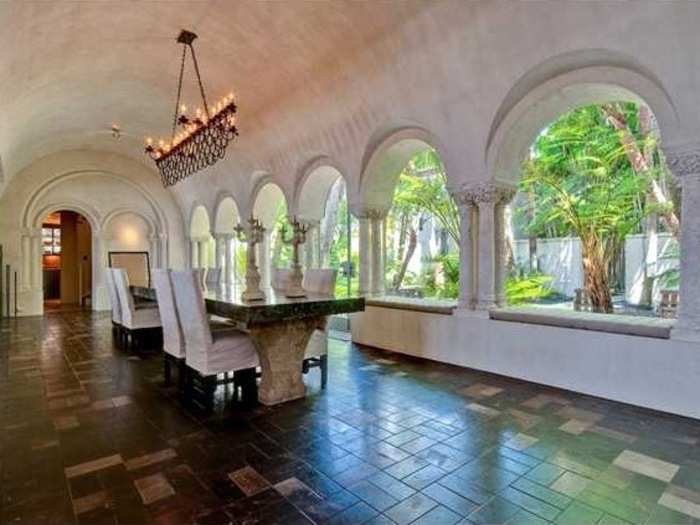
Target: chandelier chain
<point x="199" y="81"/>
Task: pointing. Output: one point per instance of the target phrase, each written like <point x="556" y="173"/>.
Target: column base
<point x="470" y="313"/>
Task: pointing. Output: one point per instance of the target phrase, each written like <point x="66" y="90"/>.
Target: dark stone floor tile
<point x="373" y="495"/>
<point x="450" y="499"/>
<point x="410" y="509"/>
<point x="438" y="516"/>
<point x="358" y="513"/>
<point x="496" y="511"/>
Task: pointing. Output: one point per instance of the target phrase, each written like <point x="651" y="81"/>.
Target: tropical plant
<point x="583" y="183"/>
<point x="528" y="288"/>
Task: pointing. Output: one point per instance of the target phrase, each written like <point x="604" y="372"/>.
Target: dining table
<point x="280" y="328"/>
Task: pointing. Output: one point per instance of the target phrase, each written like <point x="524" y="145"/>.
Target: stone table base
<point x="281" y="347"/>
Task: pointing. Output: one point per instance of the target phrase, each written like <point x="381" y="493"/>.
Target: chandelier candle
<point x="202" y="139"/>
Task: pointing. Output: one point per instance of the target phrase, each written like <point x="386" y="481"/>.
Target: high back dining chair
<point x="319" y="281"/>
<point x="209" y="353"/>
<point x="280" y="279"/>
<point x="135" y="319"/>
<point x="173" y="338"/>
<point x="115" y="305"/>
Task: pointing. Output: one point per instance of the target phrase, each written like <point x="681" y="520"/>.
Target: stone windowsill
<point x="432" y="306"/>
<point x="610" y="323"/>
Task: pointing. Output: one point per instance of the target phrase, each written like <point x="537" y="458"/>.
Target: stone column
<point x="264" y="259"/>
<point x="467" y="249"/>
<point x="229" y="261"/>
<point x="378" y="269"/>
<point x="312" y="246"/>
<point x="491" y="199"/>
<point x="365" y="249"/>
<point x="194" y="255"/>
<point x="504" y="196"/>
<point x="26" y="272"/>
<point x="202" y="253"/>
<point x="36" y="278"/>
<point x="218" y="250"/>
<point x="685" y="164"/>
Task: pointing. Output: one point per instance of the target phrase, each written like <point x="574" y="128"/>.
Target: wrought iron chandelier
<point x="202" y="139"/>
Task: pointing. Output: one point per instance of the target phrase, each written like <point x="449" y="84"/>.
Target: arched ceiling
<point x="69" y="70"/>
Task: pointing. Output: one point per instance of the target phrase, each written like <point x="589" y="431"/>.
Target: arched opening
<point x="595" y="223"/>
<point x="332" y="241"/>
<point x="407" y="183"/>
<point x="66" y="261"/>
<point x="201" y="241"/>
<point x="270" y="208"/>
<point x="230" y="251"/>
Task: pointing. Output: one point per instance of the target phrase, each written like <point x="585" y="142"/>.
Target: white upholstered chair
<point x="319" y="281"/>
<point x="280" y="279"/>
<point x="115" y="306"/>
<point x="135" y="318"/>
<point x="173" y="338"/>
<point x="207" y="352"/>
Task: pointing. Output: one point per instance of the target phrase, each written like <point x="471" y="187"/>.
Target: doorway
<point x="66" y="261"/>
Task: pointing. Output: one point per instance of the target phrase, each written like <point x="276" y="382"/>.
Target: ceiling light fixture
<point x="203" y="139"/>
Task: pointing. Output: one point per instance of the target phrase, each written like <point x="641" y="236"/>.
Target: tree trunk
<point x="403" y="232"/>
<point x="649" y="267"/>
<point x="595" y="274"/>
<point x="642" y="161"/>
<point x="412" y="243"/>
<point x="534" y="265"/>
<point x="510" y="240"/>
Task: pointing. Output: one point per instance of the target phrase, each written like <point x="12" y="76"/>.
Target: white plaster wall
<point x="101" y="186"/>
<point x="653" y="373"/>
<point x="128" y="232"/>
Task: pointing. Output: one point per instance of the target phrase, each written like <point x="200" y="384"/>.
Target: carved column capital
<point x="482" y="193"/>
<point x="371" y="213"/>
<point x="683" y="161"/>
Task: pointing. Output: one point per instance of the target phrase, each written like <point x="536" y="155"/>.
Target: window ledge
<point x="433" y="306"/>
<point x="610" y="323"/>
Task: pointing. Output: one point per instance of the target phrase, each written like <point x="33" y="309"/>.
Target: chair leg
<point x="324" y="370"/>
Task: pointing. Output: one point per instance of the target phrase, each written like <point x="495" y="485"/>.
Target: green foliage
<point x="441" y="280"/>
<point x="422" y="187"/>
<point x="582" y="180"/>
<point x="282" y="253"/>
<point x="421" y="190"/>
<point x="528" y="288"/>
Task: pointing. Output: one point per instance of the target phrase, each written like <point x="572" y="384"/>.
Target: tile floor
<point x="88" y="434"/>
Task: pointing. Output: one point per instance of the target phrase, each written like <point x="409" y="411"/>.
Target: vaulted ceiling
<point x="69" y="70"/>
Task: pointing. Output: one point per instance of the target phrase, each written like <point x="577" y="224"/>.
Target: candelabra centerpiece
<point x="251" y="235"/>
<point x="298" y="237"/>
